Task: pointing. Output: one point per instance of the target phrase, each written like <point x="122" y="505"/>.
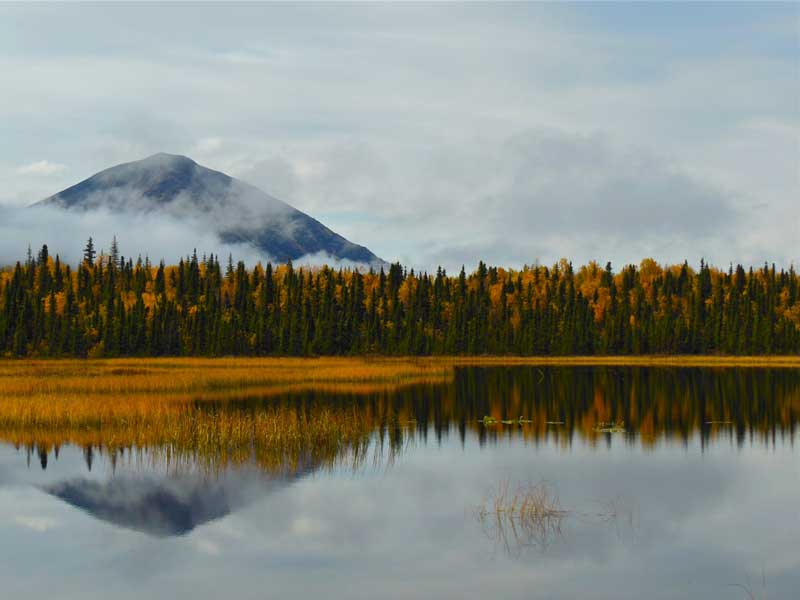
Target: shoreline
<point x="656" y="360"/>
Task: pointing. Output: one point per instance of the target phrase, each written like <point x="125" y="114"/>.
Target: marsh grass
<point x="523" y="516"/>
<point x="193" y="375"/>
<point x="180" y="409"/>
<point x="193" y="405"/>
<point x="92" y="394"/>
<point x="531" y="515"/>
<point x="273" y="438"/>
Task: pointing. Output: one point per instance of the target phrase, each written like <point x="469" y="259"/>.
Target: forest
<point x="110" y="306"/>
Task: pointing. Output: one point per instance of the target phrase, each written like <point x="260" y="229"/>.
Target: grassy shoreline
<point x="97" y="392"/>
<point x="179" y="404"/>
<point x="29" y="387"/>
<point x="225" y="361"/>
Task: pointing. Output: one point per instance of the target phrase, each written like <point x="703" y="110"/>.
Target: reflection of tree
<point x="560" y="403"/>
<point x="653" y="403"/>
<point x="546" y="405"/>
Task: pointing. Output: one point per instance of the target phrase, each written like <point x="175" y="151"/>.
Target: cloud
<point x="207" y="547"/>
<point x="319" y="259"/>
<point x="430" y="134"/>
<point x="41" y="168"/>
<point x="155" y="236"/>
<point x="208" y="145"/>
<point x="539" y="193"/>
<point x="165" y="235"/>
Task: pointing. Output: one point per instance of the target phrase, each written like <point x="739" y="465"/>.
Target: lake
<point x="654" y="483"/>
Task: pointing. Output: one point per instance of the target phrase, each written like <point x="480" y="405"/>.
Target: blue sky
<point x="433" y="134"/>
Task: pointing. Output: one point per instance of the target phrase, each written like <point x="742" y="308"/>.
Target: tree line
<point x="112" y="306"/>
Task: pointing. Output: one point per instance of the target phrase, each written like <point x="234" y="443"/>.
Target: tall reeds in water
<point x="522" y="516"/>
<point x="179" y="409"/>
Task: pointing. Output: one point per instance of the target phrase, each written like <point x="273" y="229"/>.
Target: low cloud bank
<point x="157" y="236"/>
<point x="541" y="193"/>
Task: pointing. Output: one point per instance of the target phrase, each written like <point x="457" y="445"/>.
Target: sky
<point x="433" y="134"/>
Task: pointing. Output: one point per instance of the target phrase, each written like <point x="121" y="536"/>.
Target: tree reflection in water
<point x="540" y="405"/>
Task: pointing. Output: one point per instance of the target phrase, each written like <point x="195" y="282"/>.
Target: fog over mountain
<point x="177" y="188"/>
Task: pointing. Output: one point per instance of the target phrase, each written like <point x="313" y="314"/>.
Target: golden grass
<point x="178" y="406"/>
<point x="133" y="392"/>
<point x="523" y="516"/>
<point x="40" y="394"/>
<point x="196" y="375"/>
<point x="273" y="438"/>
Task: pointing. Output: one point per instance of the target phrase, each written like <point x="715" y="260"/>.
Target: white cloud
<point x="208" y="145"/>
<point x="155" y="236"/>
<point x="41" y="167"/>
<point x="422" y="131"/>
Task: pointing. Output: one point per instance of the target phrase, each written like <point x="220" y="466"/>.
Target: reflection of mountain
<point x="147" y="505"/>
<point x="166" y="506"/>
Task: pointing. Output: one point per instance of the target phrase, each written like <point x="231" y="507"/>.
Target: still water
<point x="669" y="483"/>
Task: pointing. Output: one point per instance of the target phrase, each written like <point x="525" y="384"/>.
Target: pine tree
<point x="89" y="253"/>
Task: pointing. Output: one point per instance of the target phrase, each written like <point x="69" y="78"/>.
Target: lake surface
<point x="671" y="483"/>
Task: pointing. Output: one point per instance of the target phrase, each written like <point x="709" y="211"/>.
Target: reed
<point x="179" y="407"/>
<point x="192" y="375"/>
<point x="278" y="438"/>
<point x="529" y="514"/>
<point x="179" y="402"/>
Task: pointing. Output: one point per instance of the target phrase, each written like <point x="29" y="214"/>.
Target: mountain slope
<point x="236" y="211"/>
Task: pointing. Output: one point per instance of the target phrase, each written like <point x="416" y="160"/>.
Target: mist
<point x="157" y="236"/>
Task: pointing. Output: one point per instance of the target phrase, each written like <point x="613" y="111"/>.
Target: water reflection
<point x="542" y="405"/>
<point x="560" y="404"/>
<point x="157" y="507"/>
<point x="170" y="504"/>
<point x="699" y="489"/>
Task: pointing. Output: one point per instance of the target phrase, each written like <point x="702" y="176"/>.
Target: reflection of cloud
<point x="305" y="525"/>
<point x="36" y="523"/>
<point x="208" y="547"/>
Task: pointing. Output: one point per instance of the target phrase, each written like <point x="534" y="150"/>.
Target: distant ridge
<point x="237" y="212"/>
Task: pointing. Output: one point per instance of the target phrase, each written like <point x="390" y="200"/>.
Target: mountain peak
<point x="236" y="211"/>
<point x="164" y="158"/>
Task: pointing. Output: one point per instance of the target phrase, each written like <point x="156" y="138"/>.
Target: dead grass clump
<point x="527" y="515"/>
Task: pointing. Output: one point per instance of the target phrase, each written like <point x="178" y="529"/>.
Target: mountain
<point x="237" y="212"/>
